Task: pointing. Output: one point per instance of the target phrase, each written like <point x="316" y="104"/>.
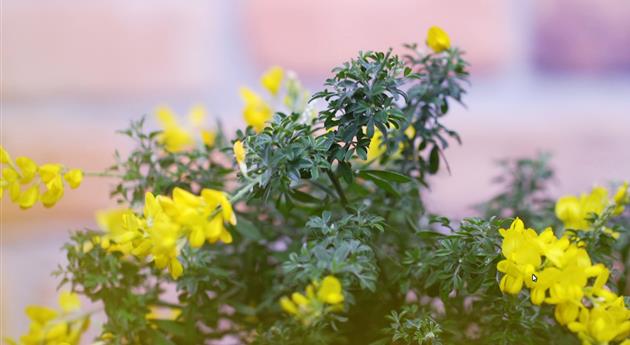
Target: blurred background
<point x="547" y="75"/>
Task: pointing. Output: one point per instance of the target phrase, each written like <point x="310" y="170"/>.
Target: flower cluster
<point x="165" y="225"/>
<point x="51" y="327"/>
<point x="321" y="298"/>
<point x="574" y="211"/>
<point x="23" y="179"/>
<point x="176" y="137"/>
<point x="559" y="272"/>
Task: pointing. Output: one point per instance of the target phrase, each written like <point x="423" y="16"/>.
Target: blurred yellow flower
<point x="437" y="39"/>
<point x="320" y="298"/>
<point x="174" y="137"/>
<point x="256" y="111"/>
<point x="50" y="327"/>
<point x="24" y="172"/>
<point x="272" y="79"/>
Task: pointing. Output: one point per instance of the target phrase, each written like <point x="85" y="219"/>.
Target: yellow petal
<point x="165" y="116"/>
<point x="5" y="158"/>
<point x="226" y="236"/>
<point x="239" y="151"/>
<point x="183" y="197"/>
<point x="376" y="147"/>
<point x="74" y="178"/>
<point x="437" y="39"/>
<point x="272" y="79"/>
<point x="69" y="301"/>
<point x="249" y="96"/>
<point x="57" y="331"/>
<point x="299" y="299"/>
<point x="196" y="238"/>
<point x="214" y="229"/>
<point x="176" y="269"/>
<point x="208" y="137"/>
<point x="40" y="314"/>
<point x="330" y="290"/>
<point x="53" y="193"/>
<point x="49" y="171"/>
<point x="197" y="115"/>
<point x="28" y="169"/>
<point x="29" y="197"/>
<point x="288" y="306"/>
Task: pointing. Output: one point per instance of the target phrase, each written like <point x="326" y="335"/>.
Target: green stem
<point x="101" y="174"/>
<point x="337" y="185"/>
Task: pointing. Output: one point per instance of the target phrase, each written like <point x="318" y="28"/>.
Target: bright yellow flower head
<point x="437" y="39"/>
<point x="256" y="112"/>
<point x="272" y="79"/>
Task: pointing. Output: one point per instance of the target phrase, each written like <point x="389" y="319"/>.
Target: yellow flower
<point x="376" y="147"/>
<point x="330" y="291"/>
<point x="272" y="79"/>
<point x="28" y="169"/>
<point x="29" y="197"/>
<point x="621" y="199"/>
<point x="208" y="137"/>
<point x="174" y="137"/>
<point x="5" y="158"/>
<point x="309" y="307"/>
<point x="437" y="39"/>
<point x="256" y="112"/>
<point x="74" y="178"/>
<point x="573" y="211"/>
<point x="49" y="327"/>
<point x="69" y="301"/>
<point x="239" y="152"/>
<point x="522" y="250"/>
<point x="605" y="322"/>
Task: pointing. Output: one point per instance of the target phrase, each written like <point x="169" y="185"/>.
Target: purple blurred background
<point x="550" y="75"/>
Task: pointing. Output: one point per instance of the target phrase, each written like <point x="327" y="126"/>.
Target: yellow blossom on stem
<point x="437" y="39"/>
<point x="24" y="181"/>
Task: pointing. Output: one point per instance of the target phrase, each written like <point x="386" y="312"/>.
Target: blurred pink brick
<point x="581" y="35"/>
<point x="104" y="48"/>
<point x="313" y="36"/>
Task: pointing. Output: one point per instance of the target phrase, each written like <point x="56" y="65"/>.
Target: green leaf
<point x="304" y="197"/>
<point x="387" y="175"/>
<point x="381" y="183"/>
<point x="248" y="230"/>
<point x="434" y="160"/>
